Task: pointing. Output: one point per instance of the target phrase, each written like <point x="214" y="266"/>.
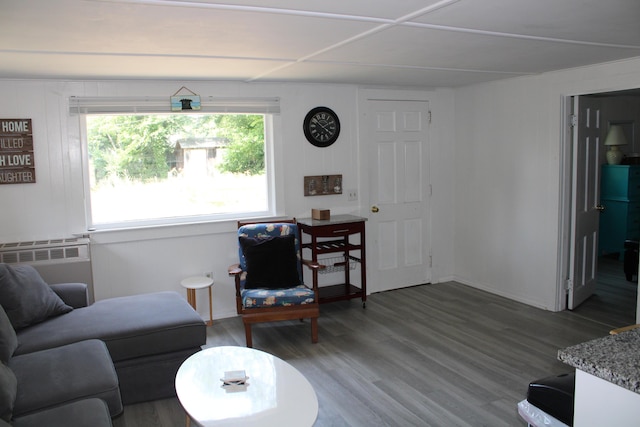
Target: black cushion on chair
<point x="271" y="262"/>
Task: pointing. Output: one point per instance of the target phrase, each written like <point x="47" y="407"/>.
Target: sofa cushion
<point x="8" y="339"/>
<point x="26" y="298"/>
<point x="132" y="326"/>
<point x="72" y="372"/>
<point x="8" y="390"/>
<point x="83" y="413"/>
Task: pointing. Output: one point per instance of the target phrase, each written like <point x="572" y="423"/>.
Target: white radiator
<point x="57" y="260"/>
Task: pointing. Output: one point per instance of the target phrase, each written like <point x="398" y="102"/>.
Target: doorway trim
<point x="564" y="203"/>
<point x="565" y="199"/>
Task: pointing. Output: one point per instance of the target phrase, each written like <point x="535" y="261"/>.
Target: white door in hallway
<point x="398" y="236"/>
<point x="583" y="262"/>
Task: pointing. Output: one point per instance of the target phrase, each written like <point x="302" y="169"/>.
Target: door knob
<point x="374" y="209"/>
<point x="599" y="208"/>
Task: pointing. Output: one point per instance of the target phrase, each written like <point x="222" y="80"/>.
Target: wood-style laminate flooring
<point x="433" y="355"/>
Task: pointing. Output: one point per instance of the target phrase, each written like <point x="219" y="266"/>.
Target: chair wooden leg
<point x="247" y="332"/>
<point x="314" y="330"/>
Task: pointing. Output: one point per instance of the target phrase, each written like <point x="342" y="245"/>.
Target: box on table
<point x="324" y="214"/>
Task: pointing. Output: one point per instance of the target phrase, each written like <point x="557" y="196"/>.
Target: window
<point x="149" y="168"/>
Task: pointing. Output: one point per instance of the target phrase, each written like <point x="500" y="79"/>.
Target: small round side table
<point x="198" y="282"/>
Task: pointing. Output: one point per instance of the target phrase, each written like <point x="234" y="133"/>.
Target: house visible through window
<point x="167" y="168"/>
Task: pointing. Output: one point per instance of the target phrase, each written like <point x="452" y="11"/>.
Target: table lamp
<point x="615" y="138"/>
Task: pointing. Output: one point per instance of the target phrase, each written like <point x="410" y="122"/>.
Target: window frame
<point x="269" y="107"/>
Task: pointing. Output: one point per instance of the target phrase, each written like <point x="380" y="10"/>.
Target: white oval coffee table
<point x="276" y="394"/>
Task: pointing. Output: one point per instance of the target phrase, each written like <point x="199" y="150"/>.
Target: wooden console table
<point x="341" y="235"/>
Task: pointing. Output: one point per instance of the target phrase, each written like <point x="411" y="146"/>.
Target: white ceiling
<point x="424" y="43"/>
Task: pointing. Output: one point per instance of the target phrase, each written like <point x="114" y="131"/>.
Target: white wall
<point x="495" y="162"/>
<point x="137" y="261"/>
<point x="507" y="186"/>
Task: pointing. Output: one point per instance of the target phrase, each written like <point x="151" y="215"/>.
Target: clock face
<point x="321" y="127"/>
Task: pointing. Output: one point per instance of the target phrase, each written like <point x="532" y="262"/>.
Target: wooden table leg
<point x="191" y="297"/>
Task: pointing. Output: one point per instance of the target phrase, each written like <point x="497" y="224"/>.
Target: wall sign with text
<point x="16" y="152"/>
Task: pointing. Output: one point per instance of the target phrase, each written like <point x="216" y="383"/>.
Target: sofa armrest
<point x="74" y="294"/>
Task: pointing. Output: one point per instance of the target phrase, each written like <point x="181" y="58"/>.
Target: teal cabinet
<point x="620" y="197"/>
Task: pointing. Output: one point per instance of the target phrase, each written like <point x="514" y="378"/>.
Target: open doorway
<point x="615" y="299"/>
<point x="609" y="298"/>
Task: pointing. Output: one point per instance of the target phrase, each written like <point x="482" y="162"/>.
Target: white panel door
<point x="398" y="253"/>
<point x="585" y="216"/>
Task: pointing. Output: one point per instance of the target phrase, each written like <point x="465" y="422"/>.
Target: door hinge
<point x="568" y="285"/>
<point x="429" y="116"/>
<point x="573" y="119"/>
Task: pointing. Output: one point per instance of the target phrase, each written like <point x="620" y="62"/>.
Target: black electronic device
<point x="554" y="395"/>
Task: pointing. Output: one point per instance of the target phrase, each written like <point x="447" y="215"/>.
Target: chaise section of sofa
<point x="148" y="336"/>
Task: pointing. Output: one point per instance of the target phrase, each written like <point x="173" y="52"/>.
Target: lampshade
<point x="615" y="136"/>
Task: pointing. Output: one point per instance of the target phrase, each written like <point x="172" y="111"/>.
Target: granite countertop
<point x="615" y="358"/>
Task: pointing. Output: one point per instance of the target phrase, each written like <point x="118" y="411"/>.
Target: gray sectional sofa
<point x="62" y="357"/>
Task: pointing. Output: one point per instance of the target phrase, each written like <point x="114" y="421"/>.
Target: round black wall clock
<point x="321" y="126"/>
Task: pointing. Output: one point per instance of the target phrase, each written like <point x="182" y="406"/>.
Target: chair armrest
<point x="74" y="294"/>
<point x="313" y="265"/>
<point x="234" y="270"/>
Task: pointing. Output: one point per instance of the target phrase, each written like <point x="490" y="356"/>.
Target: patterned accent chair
<point x="269" y="279"/>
